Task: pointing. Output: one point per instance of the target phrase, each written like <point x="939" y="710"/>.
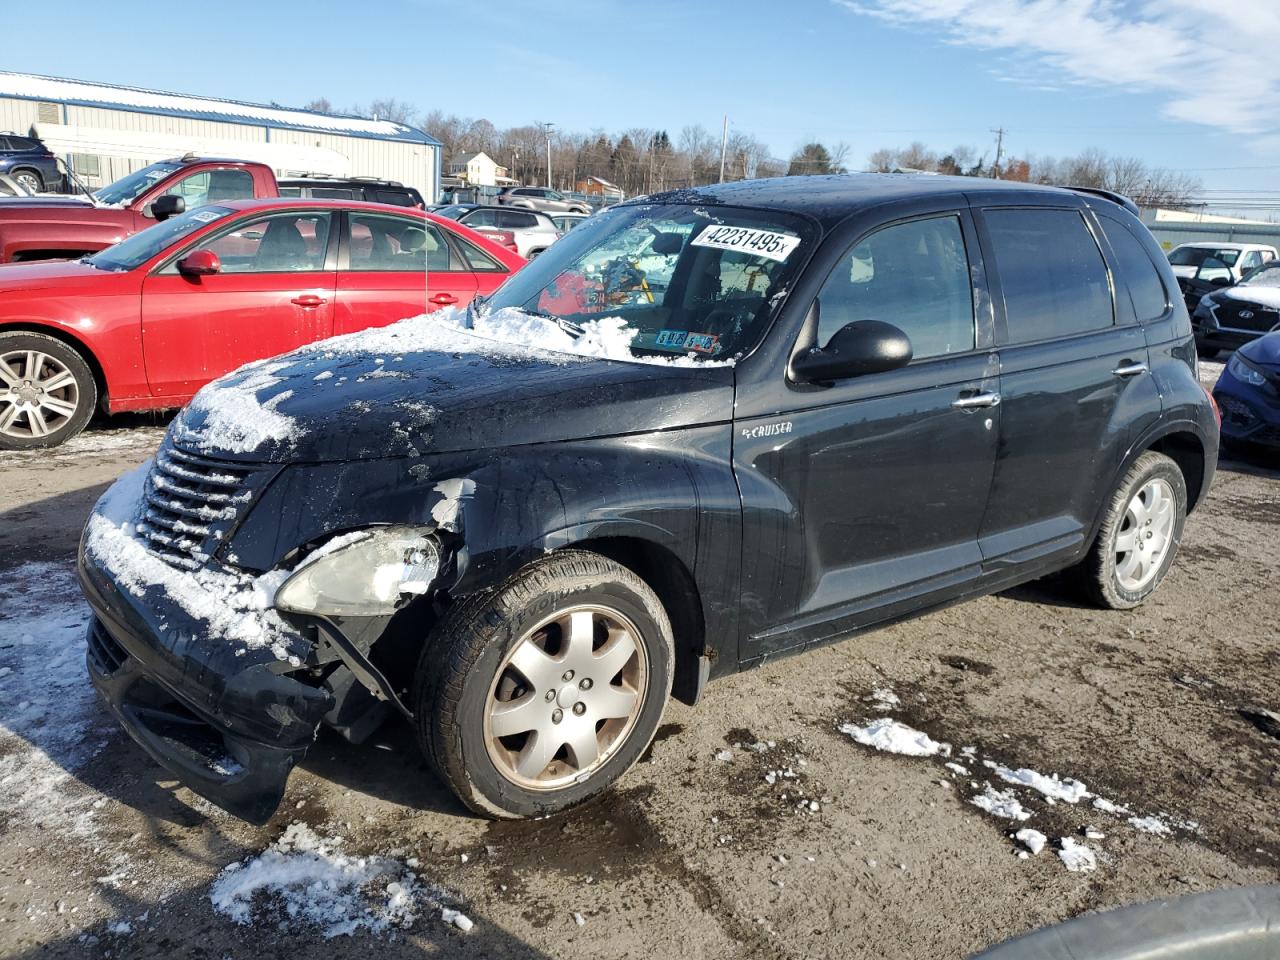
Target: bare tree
<point x="320" y="105"/>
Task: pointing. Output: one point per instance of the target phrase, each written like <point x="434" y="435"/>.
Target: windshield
<point x="142" y="246"/>
<point x="1265" y="276"/>
<point x="690" y="280"/>
<point x="1195" y="256"/>
<point x="135" y="184"/>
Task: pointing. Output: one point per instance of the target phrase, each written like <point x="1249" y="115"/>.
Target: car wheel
<point x="539" y="695"/>
<point x="1140" y="534"/>
<point x="47" y="391"/>
<point x="29" y="179"/>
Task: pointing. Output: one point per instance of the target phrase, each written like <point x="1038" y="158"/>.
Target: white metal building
<point x="103" y="131"/>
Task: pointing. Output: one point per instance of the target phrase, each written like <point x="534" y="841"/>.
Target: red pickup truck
<point x="52" y="228"/>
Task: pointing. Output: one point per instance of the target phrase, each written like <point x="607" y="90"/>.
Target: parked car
<point x="29" y="162"/>
<point x="533" y="232"/>
<point x="823" y="405"/>
<point x="10" y="187"/>
<point x="1225" y="261"/>
<point x="1229" y="317"/>
<point x="564" y="222"/>
<point x="62" y="227"/>
<point x="540" y="199"/>
<point x="145" y="323"/>
<point x="1248" y="393"/>
<point x="370" y="189"/>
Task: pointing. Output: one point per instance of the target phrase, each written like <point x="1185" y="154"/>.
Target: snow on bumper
<point x="194" y="666"/>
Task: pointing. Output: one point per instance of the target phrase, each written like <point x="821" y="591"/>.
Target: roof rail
<point x="1117" y="198"/>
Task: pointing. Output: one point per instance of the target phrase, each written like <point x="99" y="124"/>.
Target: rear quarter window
<point x="1052" y="274"/>
<point x="1137" y="271"/>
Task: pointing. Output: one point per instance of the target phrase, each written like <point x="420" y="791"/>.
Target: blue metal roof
<point x="26" y="86"/>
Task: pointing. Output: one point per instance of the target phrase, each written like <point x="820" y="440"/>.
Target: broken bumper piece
<point x="226" y="721"/>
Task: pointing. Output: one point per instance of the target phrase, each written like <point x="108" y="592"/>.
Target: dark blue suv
<point x="29" y="162"/>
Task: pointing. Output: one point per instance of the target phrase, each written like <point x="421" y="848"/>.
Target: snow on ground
<point x="1069" y="791"/>
<point x="51" y="724"/>
<point x="308" y="878"/>
<point x="890" y="736"/>
<point x="1077" y="857"/>
<point x="1033" y="840"/>
<point x="1000" y="803"/>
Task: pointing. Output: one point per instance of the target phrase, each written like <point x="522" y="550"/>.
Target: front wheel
<point x="1140" y="534"/>
<point x="539" y="695"/>
<point x="47" y="391"/>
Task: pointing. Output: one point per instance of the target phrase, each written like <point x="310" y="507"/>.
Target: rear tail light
<point x="1217" y="411"/>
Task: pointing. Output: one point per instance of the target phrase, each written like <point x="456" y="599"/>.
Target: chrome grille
<point x="193" y="503"/>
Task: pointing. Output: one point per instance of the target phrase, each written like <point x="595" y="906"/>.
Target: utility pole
<point x="724" y="145"/>
<point x="995" y="169"/>
<point x="546" y="128"/>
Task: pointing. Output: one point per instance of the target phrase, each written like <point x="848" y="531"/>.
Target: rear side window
<point x="1054" y="278"/>
<point x="399" y="198"/>
<point x="391" y="244"/>
<point x="1138" y="273"/>
<point x="914" y="275"/>
<point x="21" y="143"/>
<point x="515" y="220"/>
<point x="333" y="193"/>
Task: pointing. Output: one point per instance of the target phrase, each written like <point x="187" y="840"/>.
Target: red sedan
<point x="146" y="323"/>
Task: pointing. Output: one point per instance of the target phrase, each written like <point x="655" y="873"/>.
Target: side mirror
<point x="200" y="263"/>
<point x="865" y="346"/>
<point x="162" y="208"/>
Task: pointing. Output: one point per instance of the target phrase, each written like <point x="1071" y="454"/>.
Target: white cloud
<point x="1214" y="62"/>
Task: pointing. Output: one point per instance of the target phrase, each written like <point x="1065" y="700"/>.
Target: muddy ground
<point x="692" y="855"/>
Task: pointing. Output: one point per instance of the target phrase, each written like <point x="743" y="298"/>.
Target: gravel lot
<point x="706" y="849"/>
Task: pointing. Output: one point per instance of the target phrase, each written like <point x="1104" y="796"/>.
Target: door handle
<point x="308" y="300"/>
<point x="443" y="299"/>
<point x="1130" y="369"/>
<point x="977" y="400"/>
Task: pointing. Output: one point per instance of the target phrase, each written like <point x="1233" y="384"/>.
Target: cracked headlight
<point x="365" y="574"/>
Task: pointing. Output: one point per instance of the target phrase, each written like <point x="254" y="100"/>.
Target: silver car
<point x="534" y="232"/>
<point x="541" y="199"/>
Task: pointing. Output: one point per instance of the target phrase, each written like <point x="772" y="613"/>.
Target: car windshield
<point x="141" y="247"/>
<point x="1264" y="276"/>
<point x="135" y="184"/>
<point x="690" y="280"/>
<point x="1195" y="256"/>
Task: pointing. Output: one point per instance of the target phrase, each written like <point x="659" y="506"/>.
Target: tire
<point x="30" y="179"/>
<point x="470" y="674"/>
<point x="1151" y="499"/>
<point x="47" y="391"/>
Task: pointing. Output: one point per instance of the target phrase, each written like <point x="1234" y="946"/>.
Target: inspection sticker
<point x="672" y="338"/>
<point x="206" y="216"/>
<point x="761" y="243"/>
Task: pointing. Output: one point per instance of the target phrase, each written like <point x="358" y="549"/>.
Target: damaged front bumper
<point x="229" y="722"/>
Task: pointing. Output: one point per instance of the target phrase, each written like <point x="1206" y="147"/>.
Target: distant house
<point x="599" y="187"/>
<point x="480" y="170"/>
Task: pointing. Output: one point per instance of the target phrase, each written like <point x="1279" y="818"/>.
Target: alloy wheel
<point x="29" y="180"/>
<point x="1145" y="535"/>
<point x="566" y="698"/>
<point x="38" y="394"/>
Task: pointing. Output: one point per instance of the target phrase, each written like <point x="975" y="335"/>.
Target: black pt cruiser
<point x="705" y="429"/>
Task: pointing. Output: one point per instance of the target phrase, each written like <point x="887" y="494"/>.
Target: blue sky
<point x="1133" y="77"/>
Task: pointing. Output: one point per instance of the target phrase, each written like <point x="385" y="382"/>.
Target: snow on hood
<point x="1250" y="293"/>
<point x="270" y="405"/>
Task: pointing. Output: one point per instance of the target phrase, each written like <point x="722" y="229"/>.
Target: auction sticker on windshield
<point x="762" y="243"/>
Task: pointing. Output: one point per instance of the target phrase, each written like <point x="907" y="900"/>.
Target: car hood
<point x="1265" y="350"/>
<point x="14" y="203"/>
<point x="1266" y="296"/>
<point x="44" y="274"/>
<point x="420" y="388"/>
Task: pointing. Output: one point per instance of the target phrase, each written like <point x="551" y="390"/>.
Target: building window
<point x="86" y="164"/>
